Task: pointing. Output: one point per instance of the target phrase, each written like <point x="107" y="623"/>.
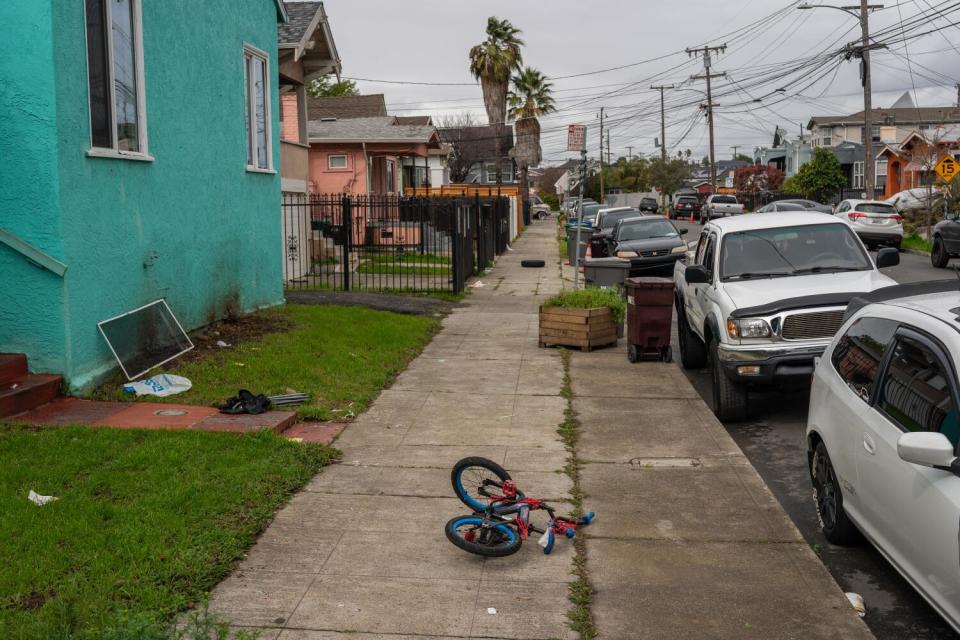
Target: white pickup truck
<point x="719" y="206"/>
<point x="762" y="295"/>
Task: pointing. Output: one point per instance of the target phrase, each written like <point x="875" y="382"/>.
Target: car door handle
<point x="869" y="445"/>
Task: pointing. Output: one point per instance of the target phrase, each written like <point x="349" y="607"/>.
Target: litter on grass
<point x="162" y="385"/>
<point x="858" y="604"/>
<point x="476" y="285"/>
<point x="491" y="611"/>
<point x="40" y="500"/>
<point x="222" y="344"/>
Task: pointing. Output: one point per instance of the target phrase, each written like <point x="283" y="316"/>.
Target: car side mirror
<point x="696" y="274"/>
<point x="684" y="232"/>
<point x="888" y="257"/>
<point x="927" y="449"/>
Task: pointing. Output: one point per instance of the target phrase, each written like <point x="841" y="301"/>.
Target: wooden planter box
<point x="584" y="328"/>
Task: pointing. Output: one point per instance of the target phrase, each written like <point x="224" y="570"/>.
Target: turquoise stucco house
<point x="140" y="155"/>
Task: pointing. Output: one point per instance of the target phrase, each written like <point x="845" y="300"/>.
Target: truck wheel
<point x="939" y="256"/>
<point x="729" y="398"/>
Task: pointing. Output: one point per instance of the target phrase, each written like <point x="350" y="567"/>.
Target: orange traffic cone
<point x="691" y="217"/>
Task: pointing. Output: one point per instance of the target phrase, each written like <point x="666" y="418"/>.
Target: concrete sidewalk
<point x="361" y="553"/>
<point x="688" y="543"/>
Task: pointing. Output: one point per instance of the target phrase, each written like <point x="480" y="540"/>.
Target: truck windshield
<point x="791" y="251"/>
<point x="655" y="227"/>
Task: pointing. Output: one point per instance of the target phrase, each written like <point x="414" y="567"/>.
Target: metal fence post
<point x="456" y="240"/>
<point x="347" y="219"/>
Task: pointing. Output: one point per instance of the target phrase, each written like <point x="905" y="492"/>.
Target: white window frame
<point x="858" y="171"/>
<point x="490" y="172"/>
<point x="115" y="152"/>
<point x="249" y="54"/>
<point x="346" y="163"/>
<point x="828" y="138"/>
<point x="881" y="162"/>
<point x="506" y="170"/>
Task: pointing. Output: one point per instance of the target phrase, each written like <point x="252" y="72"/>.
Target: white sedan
<point x="883" y="433"/>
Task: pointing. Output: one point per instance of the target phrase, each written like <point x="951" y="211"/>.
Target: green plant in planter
<point x="591" y="298"/>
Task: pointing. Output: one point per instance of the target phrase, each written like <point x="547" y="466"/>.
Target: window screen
<point x="145" y="338"/>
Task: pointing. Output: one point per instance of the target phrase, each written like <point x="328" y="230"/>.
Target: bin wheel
<point x="633" y="354"/>
<point x="667" y="354"/>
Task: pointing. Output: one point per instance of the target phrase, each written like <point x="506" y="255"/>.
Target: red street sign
<point x="576" y="137"/>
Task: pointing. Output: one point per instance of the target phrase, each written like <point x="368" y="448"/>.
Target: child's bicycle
<point x="486" y="487"/>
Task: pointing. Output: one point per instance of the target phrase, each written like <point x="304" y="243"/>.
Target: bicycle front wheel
<point x="476" y="479"/>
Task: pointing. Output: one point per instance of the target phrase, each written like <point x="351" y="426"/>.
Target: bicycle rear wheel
<point x="476" y="479"/>
<point x="492" y="541"/>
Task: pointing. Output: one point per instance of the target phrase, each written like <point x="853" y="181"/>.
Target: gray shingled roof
<point x="300" y="15"/>
<point x="922" y="115"/>
<point x="381" y="129"/>
<point x="343" y="107"/>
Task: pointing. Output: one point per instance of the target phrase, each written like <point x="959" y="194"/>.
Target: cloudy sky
<point x="771" y="46"/>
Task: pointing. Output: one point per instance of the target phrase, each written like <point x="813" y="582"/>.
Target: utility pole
<point x="663" y="119"/>
<point x="735" y="147"/>
<point x="958" y="95"/>
<point x="708" y="76"/>
<point x="601" y="155"/>
<point x="608" y="147"/>
<point x="630" y="152"/>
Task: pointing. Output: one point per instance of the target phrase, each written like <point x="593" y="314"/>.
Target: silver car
<point x="875" y="222"/>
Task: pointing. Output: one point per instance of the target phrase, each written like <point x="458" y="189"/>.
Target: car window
<point x="916" y="393"/>
<point x="724" y="200"/>
<point x="788" y="251"/>
<point x="843" y="207"/>
<point x="701" y="246"/>
<point x="687" y="200"/>
<point x="653" y="227"/>
<point x="709" y="252"/>
<point x="609" y="220"/>
<point x="860" y="351"/>
<point x="876" y="207"/>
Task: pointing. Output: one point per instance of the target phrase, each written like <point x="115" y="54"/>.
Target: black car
<point x="598" y="242"/>
<point x="649" y="205"/>
<point x="684" y="206"/>
<point x="946" y="241"/>
<point x="652" y="244"/>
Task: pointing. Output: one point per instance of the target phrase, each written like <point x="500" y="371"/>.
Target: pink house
<point x="363" y="155"/>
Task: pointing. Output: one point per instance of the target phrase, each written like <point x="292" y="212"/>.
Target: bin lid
<point x="649" y="283"/>
<point x="620" y="263"/>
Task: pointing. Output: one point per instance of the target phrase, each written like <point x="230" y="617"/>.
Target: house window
<point x="491" y="171"/>
<point x="115" y="77"/>
<point x="875" y="133"/>
<point x="256" y="73"/>
<point x="881" y="172"/>
<point x="390" y="182"/>
<point x="857" y="175"/>
<point x="506" y="171"/>
<point x="827" y="138"/>
<point x="337" y="162"/>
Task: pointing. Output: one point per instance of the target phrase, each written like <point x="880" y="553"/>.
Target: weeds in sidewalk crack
<point x="581" y="593"/>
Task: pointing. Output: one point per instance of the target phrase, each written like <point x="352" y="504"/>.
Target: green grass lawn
<point x="406" y="258"/>
<point x="393" y="269"/>
<point x="916" y="243"/>
<point x="147" y="522"/>
<point x="341" y="356"/>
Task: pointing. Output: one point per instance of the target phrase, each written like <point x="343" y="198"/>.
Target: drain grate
<point x="170" y="412"/>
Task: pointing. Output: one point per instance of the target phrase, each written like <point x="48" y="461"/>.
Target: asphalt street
<point x="773" y="440"/>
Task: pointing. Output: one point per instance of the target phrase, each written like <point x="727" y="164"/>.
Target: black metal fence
<point x="390" y="243"/>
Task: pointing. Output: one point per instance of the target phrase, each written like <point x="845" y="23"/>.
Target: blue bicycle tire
<point x="506" y="544"/>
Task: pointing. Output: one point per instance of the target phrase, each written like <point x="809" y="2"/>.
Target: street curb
<point x="916" y="252"/>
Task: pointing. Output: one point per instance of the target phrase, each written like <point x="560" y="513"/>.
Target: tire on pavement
<point x="729" y="398"/>
<point x="532" y="263"/>
<point x="938" y="253"/>
<point x="828" y="498"/>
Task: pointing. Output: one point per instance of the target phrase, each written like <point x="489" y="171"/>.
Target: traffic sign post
<point x="577" y="141"/>
<point x="947" y="169"/>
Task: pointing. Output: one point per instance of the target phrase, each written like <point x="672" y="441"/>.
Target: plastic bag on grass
<point x="162" y="385"/>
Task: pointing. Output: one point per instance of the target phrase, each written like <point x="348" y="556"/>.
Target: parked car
<point x="775" y="207"/>
<point x="762" y="297"/>
<point x="883" y="431"/>
<point x="649" y="205"/>
<point x="570" y="204"/>
<point x="684" y="206"/>
<point x="876" y="222"/>
<point x="719" y="206"/>
<point x="608" y="210"/>
<point x="605" y="224"/>
<point x="590" y="212"/>
<point x="538" y="208"/>
<point x="810" y="205"/>
<point x="652" y="244"/>
<point x="946" y="241"/>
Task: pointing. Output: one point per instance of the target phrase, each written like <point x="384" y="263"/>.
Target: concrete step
<point x="12" y="366"/>
<point x="28" y="392"/>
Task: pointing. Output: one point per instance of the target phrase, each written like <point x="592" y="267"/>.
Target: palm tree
<point x="491" y="62"/>
<point x="530" y="98"/>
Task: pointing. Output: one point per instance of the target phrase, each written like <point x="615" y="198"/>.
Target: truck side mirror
<point x="888" y="257"/>
<point x="696" y="274"/>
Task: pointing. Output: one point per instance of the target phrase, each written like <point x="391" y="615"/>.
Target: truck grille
<point x="809" y="326"/>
